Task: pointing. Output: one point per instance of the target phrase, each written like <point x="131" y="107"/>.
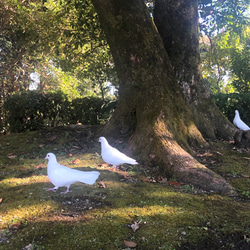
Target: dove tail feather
<point x="132" y="162"/>
<point x="88" y="177"/>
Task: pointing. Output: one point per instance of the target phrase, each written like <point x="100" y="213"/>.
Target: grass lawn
<point x="131" y="208"/>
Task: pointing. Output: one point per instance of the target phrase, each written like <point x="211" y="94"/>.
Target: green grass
<point x="91" y="217"/>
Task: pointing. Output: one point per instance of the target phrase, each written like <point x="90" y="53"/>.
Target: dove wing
<point x="64" y="176"/>
<point x="241" y="125"/>
<point x="115" y="157"/>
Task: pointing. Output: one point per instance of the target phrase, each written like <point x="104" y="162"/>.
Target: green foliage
<point x="217" y="15"/>
<point x="169" y="217"/>
<point x="228" y="103"/>
<point x="35" y="110"/>
<point x="59" y="40"/>
<point x="224" y="27"/>
<point x="241" y="68"/>
<point x="82" y="50"/>
<point x="91" y="110"/>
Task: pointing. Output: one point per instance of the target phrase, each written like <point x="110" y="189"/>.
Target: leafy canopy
<point x="224" y="26"/>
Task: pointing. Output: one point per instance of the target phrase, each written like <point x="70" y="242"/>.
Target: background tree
<point x="52" y="35"/>
<point x="151" y="102"/>
<point x="224" y="26"/>
<point x="177" y="23"/>
<point x="241" y="68"/>
<point x="151" y="105"/>
<point x="59" y="41"/>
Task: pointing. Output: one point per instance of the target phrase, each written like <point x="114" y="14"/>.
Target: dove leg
<point x="52" y="189"/>
<point x="66" y="191"/>
<point x="113" y="168"/>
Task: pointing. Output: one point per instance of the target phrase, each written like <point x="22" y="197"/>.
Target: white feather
<point x="112" y="155"/>
<point x="62" y="176"/>
<point x="239" y="123"/>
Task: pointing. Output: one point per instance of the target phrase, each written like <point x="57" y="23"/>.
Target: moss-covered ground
<point x="170" y="216"/>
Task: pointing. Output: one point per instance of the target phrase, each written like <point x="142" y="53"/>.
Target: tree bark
<point x="151" y="106"/>
<point x="177" y="23"/>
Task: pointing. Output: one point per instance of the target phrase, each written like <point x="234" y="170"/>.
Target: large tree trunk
<point x="151" y="105"/>
<point x="177" y="23"/>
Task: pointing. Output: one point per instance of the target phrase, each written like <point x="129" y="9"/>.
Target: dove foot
<point x="67" y="191"/>
<point x="112" y="169"/>
<point x="51" y="189"/>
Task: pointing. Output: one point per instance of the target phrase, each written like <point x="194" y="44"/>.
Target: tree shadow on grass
<point x="98" y="218"/>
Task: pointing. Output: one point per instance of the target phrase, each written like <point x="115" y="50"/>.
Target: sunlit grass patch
<point x="100" y="217"/>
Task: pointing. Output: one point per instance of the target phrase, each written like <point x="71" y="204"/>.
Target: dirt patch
<point x="78" y="203"/>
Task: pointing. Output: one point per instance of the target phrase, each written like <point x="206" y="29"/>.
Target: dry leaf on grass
<point x="16" y="225"/>
<point x="130" y="243"/>
<point x="28" y="247"/>
<point x="11" y="155"/>
<point x="101" y="184"/>
<point x="164" y="181"/>
<point x="135" y="226"/>
<point x="39" y="166"/>
<point x="76" y="161"/>
<point x="51" y="138"/>
<point x="245" y="176"/>
<point x="1" y="199"/>
<point x="104" y="165"/>
<point x="174" y="183"/>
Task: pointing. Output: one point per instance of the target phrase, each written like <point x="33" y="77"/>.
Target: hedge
<point x="228" y="103"/>
<point x="35" y="110"/>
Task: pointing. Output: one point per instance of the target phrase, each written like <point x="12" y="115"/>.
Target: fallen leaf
<point x="152" y="156"/>
<point x="128" y="177"/>
<point x="219" y="153"/>
<point x="174" y="183"/>
<point x="51" y="138"/>
<point x="101" y="184"/>
<point x="245" y="176"/>
<point x="28" y="247"/>
<point x="38" y="166"/>
<point x="41" y="145"/>
<point x="135" y="226"/>
<point x="104" y="165"/>
<point x="164" y="181"/>
<point x="1" y="199"/>
<point x="16" y="225"/>
<point x="11" y="155"/>
<point x="76" y="161"/>
<point x="130" y="243"/>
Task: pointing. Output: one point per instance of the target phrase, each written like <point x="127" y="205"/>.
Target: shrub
<point x="35" y="110"/>
<point x="91" y="110"/>
<point x="228" y="103"/>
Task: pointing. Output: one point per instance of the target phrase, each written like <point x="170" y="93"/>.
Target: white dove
<point x="239" y="123"/>
<point x="62" y="176"/>
<point x="113" y="156"/>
